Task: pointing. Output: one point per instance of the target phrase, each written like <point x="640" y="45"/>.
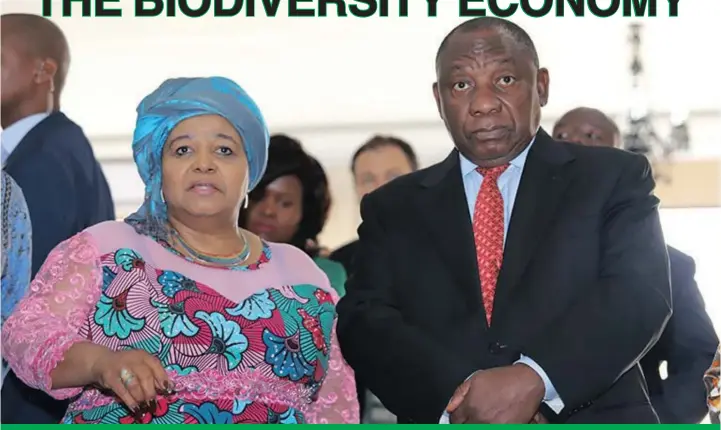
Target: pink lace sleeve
<point x="337" y="401"/>
<point x="45" y="324"/>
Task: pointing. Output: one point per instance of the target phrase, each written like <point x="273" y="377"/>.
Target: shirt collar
<point x="467" y="165"/>
<point x="13" y="135"/>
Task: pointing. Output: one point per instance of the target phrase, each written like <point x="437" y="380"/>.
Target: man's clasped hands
<point x="502" y="395"/>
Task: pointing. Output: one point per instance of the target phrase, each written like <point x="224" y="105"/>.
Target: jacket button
<point x="496" y="348"/>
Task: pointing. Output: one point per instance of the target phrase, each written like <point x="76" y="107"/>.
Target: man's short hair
<point x="380" y="141"/>
<point x="41" y="38"/>
<point x="502" y="26"/>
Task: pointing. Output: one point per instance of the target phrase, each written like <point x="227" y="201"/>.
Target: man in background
<point x="375" y="163"/>
<point x="52" y="161"/>
<point x="689" y="342"/>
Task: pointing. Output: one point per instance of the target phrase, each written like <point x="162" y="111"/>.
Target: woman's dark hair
<point x="379" y="141"/>
<point x="286" y="157"/>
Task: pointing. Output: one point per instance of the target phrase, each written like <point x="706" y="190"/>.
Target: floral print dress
<point x="241" y="346"/>
<point x="713" y="388"/>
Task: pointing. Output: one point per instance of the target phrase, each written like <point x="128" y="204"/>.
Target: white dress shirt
<point x="508" y="184"/>
<point x="12" y="135"/>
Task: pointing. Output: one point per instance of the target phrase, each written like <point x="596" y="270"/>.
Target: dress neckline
<point x="265" y="256"/>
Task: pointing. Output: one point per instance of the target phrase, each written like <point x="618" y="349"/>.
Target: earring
<point x="245" y="202"/>
<point x="162" y="197"/>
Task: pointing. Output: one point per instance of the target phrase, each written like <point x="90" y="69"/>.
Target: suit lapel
<point x="543" y="183"/>
<point x="445" y="210"/>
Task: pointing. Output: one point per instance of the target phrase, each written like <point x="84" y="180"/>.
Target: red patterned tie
<point x="488" y="231"/>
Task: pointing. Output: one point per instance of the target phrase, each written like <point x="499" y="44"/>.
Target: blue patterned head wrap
<point x="177" y="100"/>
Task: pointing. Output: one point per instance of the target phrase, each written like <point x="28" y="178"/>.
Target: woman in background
<point x="177" y="315"/>
<point x="16" y="250"/>
<point x="291" y="204"/>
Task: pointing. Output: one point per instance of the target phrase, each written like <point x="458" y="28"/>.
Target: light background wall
<point x="334" y="82"/>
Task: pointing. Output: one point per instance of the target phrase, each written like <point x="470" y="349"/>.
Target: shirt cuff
<point x="551" y="398"/>
<point x="445" y="419"/>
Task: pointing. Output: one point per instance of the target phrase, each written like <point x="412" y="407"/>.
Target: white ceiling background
<point x="331" y="71"/>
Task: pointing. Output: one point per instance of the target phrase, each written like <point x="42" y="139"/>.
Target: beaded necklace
<point x="234" y="260"/>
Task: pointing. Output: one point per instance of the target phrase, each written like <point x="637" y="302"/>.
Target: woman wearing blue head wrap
<point x="178" y="315"/>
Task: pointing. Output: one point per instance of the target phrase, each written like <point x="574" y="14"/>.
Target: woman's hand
<point x="135" y="376"/>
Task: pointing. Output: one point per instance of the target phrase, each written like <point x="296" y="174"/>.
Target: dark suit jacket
<point x="583" y="289"/>
<point x="687" y="345"/>
<point x="66" y="192"/>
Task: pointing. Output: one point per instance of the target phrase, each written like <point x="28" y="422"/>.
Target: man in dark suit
<point x="53" y="163"/>
<point x="519" y="280"/>
<point x="689" y="342"/>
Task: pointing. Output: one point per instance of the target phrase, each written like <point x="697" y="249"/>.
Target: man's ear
<point x="542" y="82"/>
<point x="46" y="71"/>
<point x="437" y="96"/>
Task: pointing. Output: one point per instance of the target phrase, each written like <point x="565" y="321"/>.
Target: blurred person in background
<point x="16" y="250"/>
<point x="291" y="204"/>
<point x="689" y="341"/>
<point x="51" y="159"/>
<point x="375" y="163"/>
<point x="177" y="315"/>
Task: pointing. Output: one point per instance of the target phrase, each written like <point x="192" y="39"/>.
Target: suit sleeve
<point x="51" y="199"/>
<point x="690" y="342"/>
<point x="627" y="310"/>
<point x="412" y="375"/>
